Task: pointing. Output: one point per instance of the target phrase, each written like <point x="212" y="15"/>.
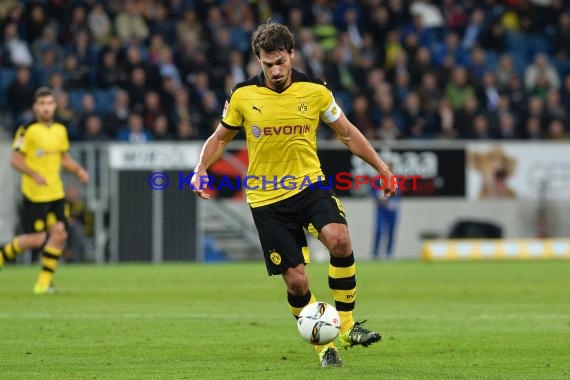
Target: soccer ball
<point x="319" y="323"/>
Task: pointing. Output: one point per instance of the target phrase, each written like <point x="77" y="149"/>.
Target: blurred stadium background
<point x="474" y="96"/>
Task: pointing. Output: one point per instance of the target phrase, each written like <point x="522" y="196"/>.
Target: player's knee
<point x="297" y="283"/>
<point x="58" y="232"/>
<point x="338" y="240"/>
<point x="37" y="239"/>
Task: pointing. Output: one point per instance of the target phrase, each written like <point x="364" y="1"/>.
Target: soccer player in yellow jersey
<point x="40" y="151"/>
<point x="279" y="110"/>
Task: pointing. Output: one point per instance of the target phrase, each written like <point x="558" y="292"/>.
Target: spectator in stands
<point x="36" y="20"/>
<point x="535" y="108"/>
<point x="75" y="76"/>
<point x="185" y="131"/>
<point x="167" y="68"/>
<point x="429" y="93"/>
<point x="360" y="115"/>
<point x="76" y="23"/>
<point x="533" y="129"/>
<point x="110" y="74"/>
<point x="99" y="24"/>
<point x="130" y="24"/>
<point x="118" y="118"/>
<point x="88" y="109"/>
<point x="412" y="114"/>
<point x="160" y="129"/>
<point x="541" y="69"/>
<point x="507" y="128"/>
<point x="488" y="93"/>
<point x="554" y="108"/>
<point x="161" y="24"/>
<point x="152" y="109"/>
<point x="94" y="129"/>
<point x="464" y="118"/>
<point x="420" y="65"/>
<point x="48" y="40"/>
<point x="459" y="89"/>
<point x="388" y="129"/>
<point x="446" y="120"/>
<point x="478" y="65"/>
<point x="481" y="129"/>
<point x="505" y="71"/>
<point x="17" y="52"/>
<point x="473" y="29"/>
<point x="516" y="94"/>
<point x="180" y="108"/>
<point x="556" y="130"/>
<point x="20" y="95"/>
<point x="136" y="88"/>
<point x="565" y="92"/>
<point x="134" y="132"/>
<point x="189" y="27"/>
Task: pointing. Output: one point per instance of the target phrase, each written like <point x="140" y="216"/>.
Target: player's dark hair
<point x="272" y="37"/>
<point x="43" y="91"/>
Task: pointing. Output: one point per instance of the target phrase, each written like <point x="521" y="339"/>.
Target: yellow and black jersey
<point x="42" y="146"/>
<point x="281" y="134"/>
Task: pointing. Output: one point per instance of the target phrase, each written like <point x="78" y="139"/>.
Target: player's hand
<point x="83" y="176"/>
<point x="39" y="179"/>
<point x="199" y="187"/>
<point x="391" y="187"/>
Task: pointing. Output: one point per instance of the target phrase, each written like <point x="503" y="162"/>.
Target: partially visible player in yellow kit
<point x="40" y="152"/>
<point x="279" y="111"/>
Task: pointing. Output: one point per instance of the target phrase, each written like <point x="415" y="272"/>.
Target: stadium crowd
<point x="142" y="70"/>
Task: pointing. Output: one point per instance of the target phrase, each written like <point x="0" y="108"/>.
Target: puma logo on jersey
<point x="257" y="109"/>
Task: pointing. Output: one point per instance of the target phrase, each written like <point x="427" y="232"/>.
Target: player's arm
<point x="72" y="166"/>
<point x="360" y="146"/>
<point x="211" y="152"/>
<point x="19" y="163"/>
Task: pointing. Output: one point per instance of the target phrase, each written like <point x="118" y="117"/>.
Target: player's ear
<point x="292" y="53"/>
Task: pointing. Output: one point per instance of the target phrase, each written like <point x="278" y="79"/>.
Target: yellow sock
<point x="346" y="321"/>
<point x="297" y="303"/>
<point x="50" y="258"/>
<point x="342" y="282"/>
<point x="12" y="249"/>
<point x="323" y="348"/>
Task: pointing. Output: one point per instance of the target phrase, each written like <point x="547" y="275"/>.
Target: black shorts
<point x="39" y="216"/>
<point x="280" y="226"/>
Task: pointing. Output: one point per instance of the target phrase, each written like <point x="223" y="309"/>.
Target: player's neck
<point x="47" y="123"/>
<point x="281" y="88"/>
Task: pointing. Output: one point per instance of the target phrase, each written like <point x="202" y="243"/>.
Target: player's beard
<point x="46" y="117"/>
<point x="283" y="82"/>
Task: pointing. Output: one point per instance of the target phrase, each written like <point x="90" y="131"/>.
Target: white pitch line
<point x="7" y="315"/>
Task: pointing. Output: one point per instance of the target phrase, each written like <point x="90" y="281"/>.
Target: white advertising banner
<point x="155" y="156"/>
<point x="518" y="171"/>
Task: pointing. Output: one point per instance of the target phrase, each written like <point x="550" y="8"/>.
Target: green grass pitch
<point x="231" y="321"/>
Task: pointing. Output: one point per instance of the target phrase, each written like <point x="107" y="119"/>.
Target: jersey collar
<point x="295" y="77"/>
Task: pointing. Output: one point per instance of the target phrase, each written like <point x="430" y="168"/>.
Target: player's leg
<point x="326" y="216"/>
<point x="53" y="248"/>
<point x="285" y="251"/>
<point x="19" y="244"/>
<point x="299" y="296"/>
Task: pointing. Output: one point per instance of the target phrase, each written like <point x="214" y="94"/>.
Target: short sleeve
<point x="330" y="112"/>
<point x="64" y="141"/>
<point x="19" y="143"/>
<point x="231" y="116"/>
